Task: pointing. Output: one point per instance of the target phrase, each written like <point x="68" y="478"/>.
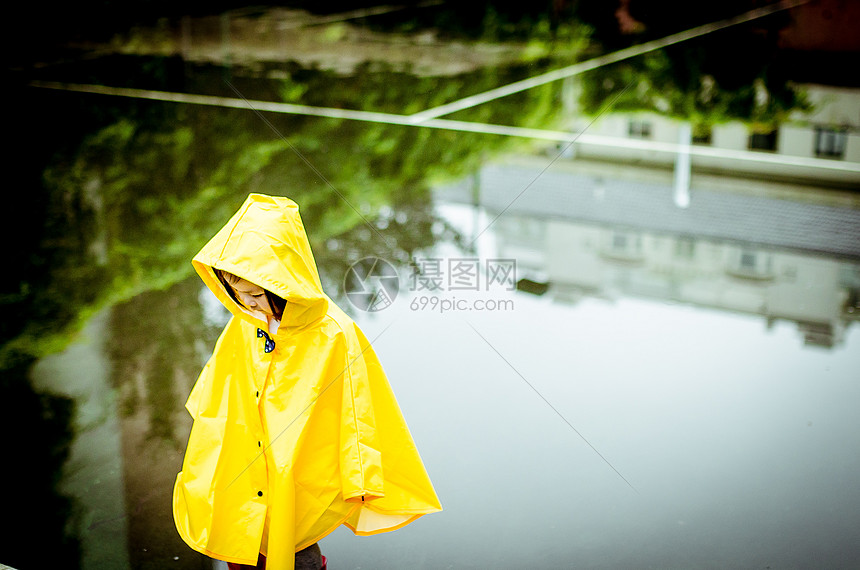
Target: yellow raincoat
<point x="289" y="444"/>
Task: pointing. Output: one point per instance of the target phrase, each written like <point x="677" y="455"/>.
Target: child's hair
<point x="276" y="303"/>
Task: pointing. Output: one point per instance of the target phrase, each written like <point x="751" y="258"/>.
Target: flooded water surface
<point x="622" y="324"/>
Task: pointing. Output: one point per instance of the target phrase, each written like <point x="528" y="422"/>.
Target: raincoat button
<point x="259" y="493"/>
<point x="259" y="444"/>
<point x="258" y="393"/>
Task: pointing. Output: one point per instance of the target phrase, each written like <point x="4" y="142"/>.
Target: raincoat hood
<point x="265" y="243"/>
<point x="296" y="434"/>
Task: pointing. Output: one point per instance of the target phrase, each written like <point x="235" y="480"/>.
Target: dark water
<point x="597" y="373"/>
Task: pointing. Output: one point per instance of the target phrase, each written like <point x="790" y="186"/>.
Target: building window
<point x="639" y="129"/>
<point x="751" y="264"/>
<point x="685" y="248"/>
<point x="623" y="246"/>
<point x="621" y="242"/>
<point x="763" y="141"/>
<point x="830" y="143"/>
<point x="748" y="261"/>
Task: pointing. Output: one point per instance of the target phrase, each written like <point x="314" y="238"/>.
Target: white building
<point x="821" y="147"/>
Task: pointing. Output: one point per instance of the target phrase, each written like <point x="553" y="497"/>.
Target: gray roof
<point x="648" y="205"/>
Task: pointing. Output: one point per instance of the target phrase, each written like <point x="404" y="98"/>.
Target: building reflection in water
<point x="586" y="228"/>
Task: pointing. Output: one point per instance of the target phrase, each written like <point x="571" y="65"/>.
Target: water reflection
<point x="586" y="229"/>
<point x="119" y="194"/>
<point x="156" y="343"/>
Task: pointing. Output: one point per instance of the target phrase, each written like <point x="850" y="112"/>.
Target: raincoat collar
<point x="265" y="243"/>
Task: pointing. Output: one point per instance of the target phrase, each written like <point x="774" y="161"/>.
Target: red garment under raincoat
<point x="289" y="444"/>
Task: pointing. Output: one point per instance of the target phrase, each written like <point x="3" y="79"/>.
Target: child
<point x="296" y="430"/>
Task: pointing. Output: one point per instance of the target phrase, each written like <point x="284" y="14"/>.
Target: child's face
<point x="252" y="296"/>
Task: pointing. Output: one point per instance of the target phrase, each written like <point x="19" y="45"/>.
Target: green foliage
<point x="730" y="75"/>
<point x="652" y="86"/>
<point x="133" y="201"/>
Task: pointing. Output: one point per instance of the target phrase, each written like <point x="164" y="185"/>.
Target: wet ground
<point x="614" y="347"/>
